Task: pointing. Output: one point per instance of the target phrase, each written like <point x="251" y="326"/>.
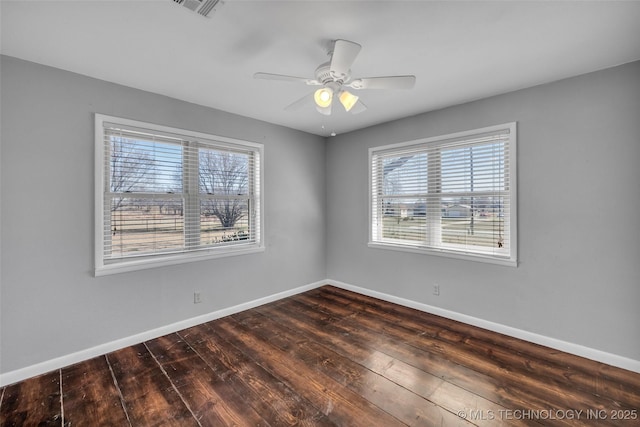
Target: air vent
<point x="201" y="7"/>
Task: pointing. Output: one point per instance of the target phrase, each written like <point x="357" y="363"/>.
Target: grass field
<point x="137" y="232"/>
<point x="485" y="231"/>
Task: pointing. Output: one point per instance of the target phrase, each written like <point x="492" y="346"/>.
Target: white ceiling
<point x="459" y="51"/>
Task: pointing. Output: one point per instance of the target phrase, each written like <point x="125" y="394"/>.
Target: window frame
<point x="449" y="250"/>
<point x="105" y="267"/>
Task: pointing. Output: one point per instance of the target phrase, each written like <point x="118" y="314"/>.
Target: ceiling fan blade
<point x="300" y="103"/>
<point x="388" y="82"/>
<point x="285" y="78"/>
<point x="344" y="53"/>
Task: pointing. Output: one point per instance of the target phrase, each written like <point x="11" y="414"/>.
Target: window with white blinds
<point x="165" y="195"/>
<point x="453" y="195"/>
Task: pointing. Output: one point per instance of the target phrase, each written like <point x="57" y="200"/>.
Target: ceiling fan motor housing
<point x="325" y="76"/>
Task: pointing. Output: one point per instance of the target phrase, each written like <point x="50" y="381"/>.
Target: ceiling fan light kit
<point x="335" y="75"/>
<point x="324" y="110"/>
<point x="323" y="97"/>
<point x="348" y="100"/>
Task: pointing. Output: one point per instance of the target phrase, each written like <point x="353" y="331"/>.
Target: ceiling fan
<point x="335" y="76"/>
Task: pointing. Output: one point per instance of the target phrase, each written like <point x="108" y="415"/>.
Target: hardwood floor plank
<point x="272" y="399"/>
<point x="540" y="385"/>
<point x="442" y="393"/>
<point x="398" y="401"/>
<point x="490" y="388"/>
<point x="590" y="376"/>
<point x="33" y="402"/>
<point x="90" y="395"/>
<point x="149" y="397"/>
<point x="544" y="386"/>
<point x="622" y="389"/>
<point x="211" y="399"/>
<point x="340" y="404"/>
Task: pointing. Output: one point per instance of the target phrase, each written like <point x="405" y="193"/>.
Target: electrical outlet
<point x="197" y="298"/>
<point x="436" y="290"/>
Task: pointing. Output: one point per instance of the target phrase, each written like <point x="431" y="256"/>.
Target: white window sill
<point x="126" y="265"/>
<point x="476" y="257"/>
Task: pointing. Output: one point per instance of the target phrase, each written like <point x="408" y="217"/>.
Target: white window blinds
<point x="450" y="195"/>
<point x="165" y="193"/>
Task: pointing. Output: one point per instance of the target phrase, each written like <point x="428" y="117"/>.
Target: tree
<point x="225" y="175"/>
<point x="129" y="168"/>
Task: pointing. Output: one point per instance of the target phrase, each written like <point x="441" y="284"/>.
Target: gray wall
<point x="50" y="304"/>
<point x="579" y="214"/>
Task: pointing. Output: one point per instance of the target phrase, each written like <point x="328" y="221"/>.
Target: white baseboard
<point x="567" y="347"/>
<point x="66" y="360"/>
<point x="82" y="355"/>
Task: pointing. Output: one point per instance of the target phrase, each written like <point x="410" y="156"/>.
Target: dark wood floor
<point x="328" y="357"/>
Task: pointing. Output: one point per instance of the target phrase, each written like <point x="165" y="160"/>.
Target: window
<point x="167" y="196"/>
<point x="453" y="195"/>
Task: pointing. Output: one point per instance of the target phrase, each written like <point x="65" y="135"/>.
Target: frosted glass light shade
<point x="323" y="97"/>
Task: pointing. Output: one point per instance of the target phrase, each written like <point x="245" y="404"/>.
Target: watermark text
<point x="548" y="414"/>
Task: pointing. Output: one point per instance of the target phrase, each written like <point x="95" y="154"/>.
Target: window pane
<point x="144" y="166"/>
<point x="142" y="225"/>
<point x="223" y="173"/>
<point x="404" y="219"/>
<point x="475" y="168"/>
<point x="474" y="221"/>
<point x="452" y="195"/>
<point x="173" y="193"/>
<point x="224" y="221"/>
<point x="405" y="174"/>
